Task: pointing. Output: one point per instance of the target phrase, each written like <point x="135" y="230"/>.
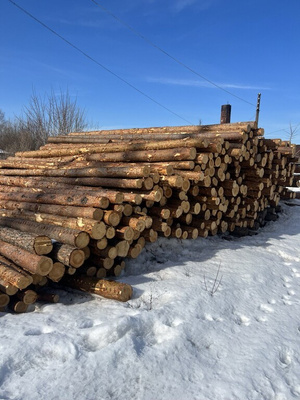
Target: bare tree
<point x="293" y="132"/>
<point x="50" y="115"/>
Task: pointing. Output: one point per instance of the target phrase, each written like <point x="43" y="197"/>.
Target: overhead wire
<point x="97" y="62"/>
<point x="137" y="33"/>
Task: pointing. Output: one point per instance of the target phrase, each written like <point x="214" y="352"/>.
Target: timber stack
<point x="74" y="210"/>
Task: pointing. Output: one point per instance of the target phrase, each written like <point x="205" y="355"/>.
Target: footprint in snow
<point x="287" y="285"/>
<point x="286" y="279"/>
<point x="208" y="317"/>
<point x="285" y="357"/>
<point x="33" y="332"/>
<point x="85" y="324"/>
<point x="261" y="319"/>
<point x="242" y="320"/>
<point x="286" y="300"/>
<point x="266" y="308"/>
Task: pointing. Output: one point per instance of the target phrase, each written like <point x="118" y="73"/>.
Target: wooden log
<point x="87" y="200"/>
<point x="110" y="232"/>
<point x="196" y="176"/>
<point x="135" y="223"/>
<point x="188" y="129"/>
<point x="57" y="272"/>
<point x="96" y="229"/>
<point x="51" y="182"/>
<point x="68" y="255"/>
<point x="73" y="237"/>
<point x="109" y="252"/>
<point x="13" y="275"/>
<point x="116" y="147"/>
<point x="174" y="181"/>
<point x="63" y="210"/>
<point x="88" y="270"/>
<point x="4" y="300"/>
<point x="109" y="289"/>
<point x="189" y="232"/>
<point x="17" y="306"/>
<point x="36" y="244"/>
<point x="124" y="232"/>
<point x="80" y="140"/>
<point x="125" y="209"/>
<point x="105" y="172"/>
<point x="30" y="262"/>
<point x="112" y="217"/>
<point x="7" y="288"/>
<point x="149" y="156"/>
<point x="122" y="248"/>
<point x="150" y="235"/>
<point x="27" y="296"/>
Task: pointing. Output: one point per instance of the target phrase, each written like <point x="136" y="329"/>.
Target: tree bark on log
<point x="146" y="156"/>
<point x="109" y="289"/>
<point x="13" y="275"/>
<point x="36" y="244"/>
<point x="243" y="126"/>
<point x="68" y="255"/>
<point x="65" y="211"/>
<point x="105" y="172"/>
<point x="116" y="147"/>
<point x="32" y="263"/>
<point x="57" y="272"/>
<point x="27" y="296"/>
<point x="7" y="288"/>
<point x="73" y="237"/>
<point x="51" y="182"/>
<point x="4" y="300"/>
<point x="88" y="200"/>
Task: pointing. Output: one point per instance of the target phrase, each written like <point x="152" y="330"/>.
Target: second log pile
<point x="85" y="202"/>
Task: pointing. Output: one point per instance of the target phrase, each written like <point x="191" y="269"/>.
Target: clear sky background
<point x="245" y="47"/>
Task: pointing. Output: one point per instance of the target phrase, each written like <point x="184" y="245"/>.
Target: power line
<point x="96" y="62"/>
<point x="134" y="31"/>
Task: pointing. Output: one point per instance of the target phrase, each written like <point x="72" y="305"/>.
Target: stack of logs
<point x="296" y="181"/>
<point x="75" y="209"/>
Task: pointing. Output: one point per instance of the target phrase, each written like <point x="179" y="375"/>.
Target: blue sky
<point x="245" y="47"/>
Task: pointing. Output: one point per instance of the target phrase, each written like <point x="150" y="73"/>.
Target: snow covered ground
<point x="176" y="339"/>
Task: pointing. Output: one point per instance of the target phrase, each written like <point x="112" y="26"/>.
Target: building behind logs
<point x="77" y="208"/>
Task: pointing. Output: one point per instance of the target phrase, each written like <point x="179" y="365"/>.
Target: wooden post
<point x="257" y="108"/>
<point x="225" y="114"/>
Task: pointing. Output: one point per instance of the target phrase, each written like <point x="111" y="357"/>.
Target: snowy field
<point x="176" y="339"/>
